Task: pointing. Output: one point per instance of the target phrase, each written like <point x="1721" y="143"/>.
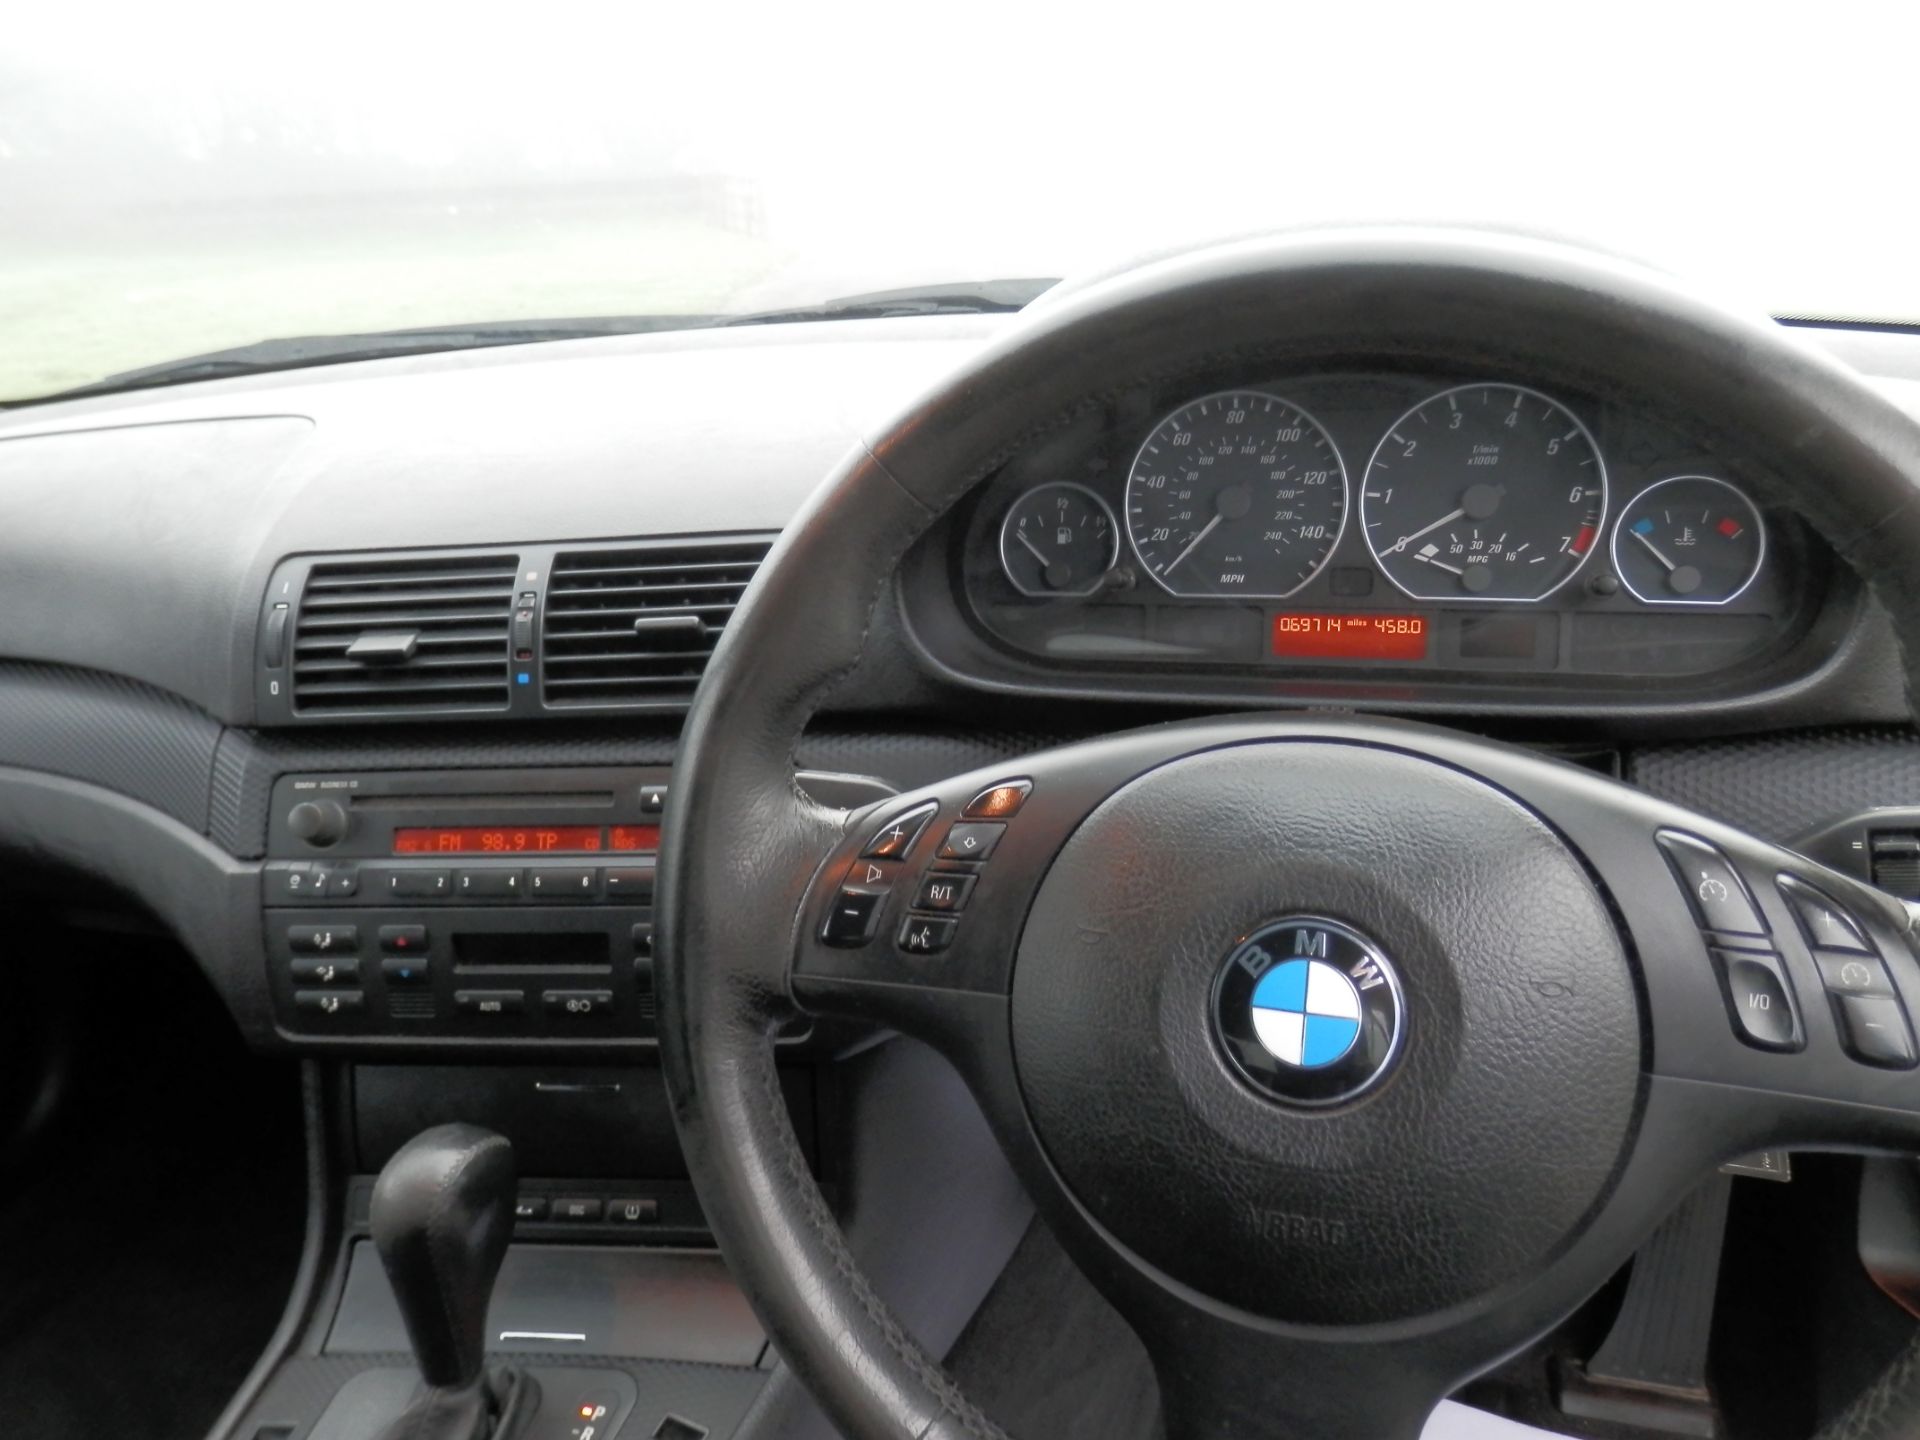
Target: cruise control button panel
<point x="972" y="840"/>
<point x="1759" y="1000"/>
<point x="1874" y="1030"/>
<point x="1714" y="890"/>
<point x="893" y="838"/>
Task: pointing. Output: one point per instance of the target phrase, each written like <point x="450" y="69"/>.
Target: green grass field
<point x="140" y="294"/>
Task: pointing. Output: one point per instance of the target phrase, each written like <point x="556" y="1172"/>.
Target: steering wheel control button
<point x="895" y="838"/>
<point x="942" y="891"/>
<point x="330" y="1002"/>
<point x="318" y="970"/>
<point x="323" y="939"/>
<point x="1714" y="890"/>
<point x="999" y="802"/>
<point x="870" y="875"/>
<point x="1308" y="1011"/>
<point x="1824" y="923"/>
<point x="1758" y="1000"/>
<point x="1848" y="974"/>
<point x="927" y="934"/>
<point x="851" y="920"/>
<point x="1874" y="1030"/>
<point x="971" y="840"/>
<point x="490" y="1002"/>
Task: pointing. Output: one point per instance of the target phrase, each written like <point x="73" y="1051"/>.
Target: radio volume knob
<point x="318" y="822"/>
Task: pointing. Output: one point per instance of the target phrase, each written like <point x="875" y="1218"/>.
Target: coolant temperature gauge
<point x="1691" y="540"/>
<point x="1058" y="539"/>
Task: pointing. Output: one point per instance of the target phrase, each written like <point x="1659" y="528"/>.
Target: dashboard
<point x="209" y="538"/>
<point x="1436" y="527"/>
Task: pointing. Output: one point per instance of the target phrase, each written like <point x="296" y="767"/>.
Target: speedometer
<point x="1240" y="493"/>
<point x="1485" y="492"/>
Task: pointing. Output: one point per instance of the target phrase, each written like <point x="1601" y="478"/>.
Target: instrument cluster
<point x="1385" y="520"/>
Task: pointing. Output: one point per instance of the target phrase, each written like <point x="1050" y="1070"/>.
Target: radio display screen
<point x="525" y="839"/>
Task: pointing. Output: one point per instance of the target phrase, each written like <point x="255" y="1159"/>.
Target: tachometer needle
<point x="1194" y="543"/>
<point x="1652" y="549"/>
<point x="1447" y="519"/>
<point x="1038" y="553"/>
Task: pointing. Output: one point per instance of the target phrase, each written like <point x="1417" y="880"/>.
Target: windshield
<point x="177" y="180"/>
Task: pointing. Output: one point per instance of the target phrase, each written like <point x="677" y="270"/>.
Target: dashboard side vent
<point x="1895" y="856"/>
<point x="635" y="626"/>
<point x="411" y="636"/>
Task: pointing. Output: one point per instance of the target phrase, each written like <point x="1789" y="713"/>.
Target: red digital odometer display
<point x="1350" y="637"/>
<point x="524" y="839"/>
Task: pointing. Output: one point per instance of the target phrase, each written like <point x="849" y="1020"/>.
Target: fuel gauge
<point x="1690" y="540"/>
<point x="1058" y="539"/>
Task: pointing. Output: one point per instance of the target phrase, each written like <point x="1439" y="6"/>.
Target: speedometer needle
<point x="1194" y="543"/>
<point x="1447" y="519"/>
<point x="1653" y="550"/>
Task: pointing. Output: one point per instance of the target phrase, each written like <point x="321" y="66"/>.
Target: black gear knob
<point x="442" y="1216"/>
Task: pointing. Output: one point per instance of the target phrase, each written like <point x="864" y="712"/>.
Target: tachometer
<point x="1690" y="540"/>
<point x="1240" y="493"/>
<point x="1485" y="492"/>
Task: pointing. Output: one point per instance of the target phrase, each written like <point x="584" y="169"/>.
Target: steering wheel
<point x="1345" y="1056"/>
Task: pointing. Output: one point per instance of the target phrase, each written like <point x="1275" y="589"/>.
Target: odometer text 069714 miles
<point x="1240" y="493"/>
<point x="1484" y="492"/>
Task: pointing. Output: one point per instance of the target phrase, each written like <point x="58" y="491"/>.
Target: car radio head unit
<point x="511" y="906"/>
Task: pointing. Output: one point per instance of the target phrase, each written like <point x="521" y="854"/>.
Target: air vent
<point x="1895" y="856"/>
<point x="634" y="627"/>
<point x="414" y="636"/>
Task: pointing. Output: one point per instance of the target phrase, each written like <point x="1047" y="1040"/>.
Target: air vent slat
<point x="591" y="653"/>
<point x="456" y="609"/>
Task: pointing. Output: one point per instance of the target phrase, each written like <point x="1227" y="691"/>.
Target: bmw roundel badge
<point x="1308" y="1011"/>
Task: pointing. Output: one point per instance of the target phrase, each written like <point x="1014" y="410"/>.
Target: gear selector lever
<point x="442" y="1215"/>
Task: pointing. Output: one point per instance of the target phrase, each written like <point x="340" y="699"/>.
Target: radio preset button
<point x="490" y="1002"/>
<point x="322" y="939"/>
<point x="418" y="884"/>
<point x="490" y="884"/>
<point x="893" y="839"/>
<point x="564" y="883"/>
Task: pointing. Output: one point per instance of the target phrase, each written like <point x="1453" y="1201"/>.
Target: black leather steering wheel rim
<point x="743" y="844"/>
